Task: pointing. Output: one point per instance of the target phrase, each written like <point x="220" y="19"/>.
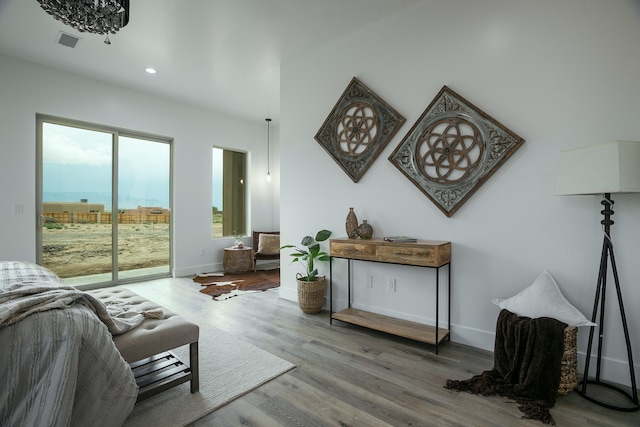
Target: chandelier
<point x="92" y="16"/>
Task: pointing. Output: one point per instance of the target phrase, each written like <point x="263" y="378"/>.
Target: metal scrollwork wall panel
<point x="452" y="149"/>
<point x="358" y="128"/>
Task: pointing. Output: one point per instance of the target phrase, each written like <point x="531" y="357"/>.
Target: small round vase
<point x="351" y="224"/>
<point x="365" y="230"/>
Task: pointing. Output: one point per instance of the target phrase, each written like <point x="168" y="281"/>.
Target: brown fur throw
<point x="527" y="365"/>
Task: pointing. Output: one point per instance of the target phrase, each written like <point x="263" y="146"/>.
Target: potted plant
<point x="310" y="286"/>
<point x="238" y="239"/>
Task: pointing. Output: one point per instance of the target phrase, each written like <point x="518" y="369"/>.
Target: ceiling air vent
<point x="67" y="39"/>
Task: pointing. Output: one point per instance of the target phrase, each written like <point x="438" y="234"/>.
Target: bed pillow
<point x="543" y="299"/>
<point x="268" y="244"/>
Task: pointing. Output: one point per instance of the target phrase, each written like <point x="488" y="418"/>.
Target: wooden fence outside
<point x="104" y="218"/>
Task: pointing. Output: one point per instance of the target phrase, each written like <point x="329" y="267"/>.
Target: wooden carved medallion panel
<point x="358" y="128"/>
<point x="452" y="149"/>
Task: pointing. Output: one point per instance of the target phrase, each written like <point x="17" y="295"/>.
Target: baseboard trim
<point x="197" y="269"/>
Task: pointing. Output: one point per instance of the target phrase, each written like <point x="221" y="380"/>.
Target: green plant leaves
<point x="314" y="253"/>
<point x="322" y="235"/>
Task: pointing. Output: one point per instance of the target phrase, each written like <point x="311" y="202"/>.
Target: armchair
<point x="267" y="249"/>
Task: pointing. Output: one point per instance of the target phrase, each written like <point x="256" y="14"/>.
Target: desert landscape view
<point x="84" y="249"/>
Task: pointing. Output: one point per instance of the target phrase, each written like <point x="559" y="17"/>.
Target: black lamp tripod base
<point x="633" y="406"/>
<point x="607" y="253"/>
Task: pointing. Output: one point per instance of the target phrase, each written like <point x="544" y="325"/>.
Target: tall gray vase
<point x="352" y="224"/>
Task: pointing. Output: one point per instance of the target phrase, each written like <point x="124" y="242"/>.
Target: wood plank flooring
<point x="351" y="376"/>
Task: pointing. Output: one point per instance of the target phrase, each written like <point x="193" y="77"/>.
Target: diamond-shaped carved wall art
<point x="452" y="149"/>
<point x="358" y="128"/>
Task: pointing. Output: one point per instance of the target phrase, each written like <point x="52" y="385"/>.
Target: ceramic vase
<point x="352" y="224"/>
<point x="365" y="230"/>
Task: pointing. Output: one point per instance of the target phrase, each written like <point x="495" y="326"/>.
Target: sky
<point x="77" y="164"/>
<point x="78" y="161"/>
<point x="216" y="196"/>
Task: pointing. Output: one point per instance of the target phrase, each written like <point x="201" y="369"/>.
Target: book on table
<point x="400" y="239"/>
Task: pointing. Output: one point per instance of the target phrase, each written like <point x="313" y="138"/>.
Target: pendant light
<point x="268" y="150"/>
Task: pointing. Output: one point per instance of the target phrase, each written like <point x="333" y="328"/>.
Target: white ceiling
<point x="223" y="55"/>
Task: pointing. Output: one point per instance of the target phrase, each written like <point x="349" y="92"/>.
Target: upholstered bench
<point x="146" y="347"/>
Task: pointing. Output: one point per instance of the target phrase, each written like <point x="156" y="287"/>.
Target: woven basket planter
<point x="311" y="295"/>
<point x="569" y="371"/>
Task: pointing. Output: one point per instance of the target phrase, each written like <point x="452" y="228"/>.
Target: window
<point x="104" y="202"/>
<point x="229" y="192"/>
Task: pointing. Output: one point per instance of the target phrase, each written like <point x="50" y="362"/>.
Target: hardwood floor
<point x="350" y="376"/>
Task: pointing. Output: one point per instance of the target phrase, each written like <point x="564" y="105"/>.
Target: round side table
<point x="237" y="260"/>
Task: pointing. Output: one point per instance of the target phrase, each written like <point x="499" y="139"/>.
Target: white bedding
<point x="58" y="364"/>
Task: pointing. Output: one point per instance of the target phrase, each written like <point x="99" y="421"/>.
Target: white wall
<point x="27" y="89"/>
<point x="560" y="74"/>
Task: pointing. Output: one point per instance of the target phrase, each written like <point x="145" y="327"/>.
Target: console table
<point x="423" y="253"/>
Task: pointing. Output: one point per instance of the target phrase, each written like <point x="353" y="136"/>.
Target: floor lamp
<point x="602" y="170"/>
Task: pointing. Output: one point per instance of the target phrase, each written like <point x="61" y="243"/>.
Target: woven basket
<point x="569" y="371"/>
<point x="311" y="295"/>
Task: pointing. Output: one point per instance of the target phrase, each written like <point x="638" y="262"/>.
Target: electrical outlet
<point x="18" y="209"/>
<point x="203" y="251"/>
<point x="391" y="284"/>
<point x="368" y="281"/>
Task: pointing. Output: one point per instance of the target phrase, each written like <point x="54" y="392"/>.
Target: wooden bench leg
<point x="195" y="368"/>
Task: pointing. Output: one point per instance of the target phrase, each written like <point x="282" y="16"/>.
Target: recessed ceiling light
<point x="150" y="70"/>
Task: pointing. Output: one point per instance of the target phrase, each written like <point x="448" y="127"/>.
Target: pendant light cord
<point x="268" y="149"/>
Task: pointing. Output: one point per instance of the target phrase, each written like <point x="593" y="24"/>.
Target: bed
<point x="58" y="364"/>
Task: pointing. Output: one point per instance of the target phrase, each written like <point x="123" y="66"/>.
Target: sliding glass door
<point x="143" y="207"/>
<point x="104" y="203"/>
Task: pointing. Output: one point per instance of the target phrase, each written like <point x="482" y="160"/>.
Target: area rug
<point x="223" y="286"/>
<point x="245" y="368"/>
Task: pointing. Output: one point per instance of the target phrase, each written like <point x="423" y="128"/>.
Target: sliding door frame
<point x="116" y="134"/>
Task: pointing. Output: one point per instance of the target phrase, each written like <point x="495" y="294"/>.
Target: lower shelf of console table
<point x="391" y="325"/>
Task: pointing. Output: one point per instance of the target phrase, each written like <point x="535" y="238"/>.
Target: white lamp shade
<point x="613" y="167"/>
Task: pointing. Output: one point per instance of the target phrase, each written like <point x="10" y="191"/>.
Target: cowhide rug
<point x="224" y="286"/>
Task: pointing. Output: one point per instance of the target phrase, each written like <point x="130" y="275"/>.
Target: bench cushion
<point x="153" y="336"/>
